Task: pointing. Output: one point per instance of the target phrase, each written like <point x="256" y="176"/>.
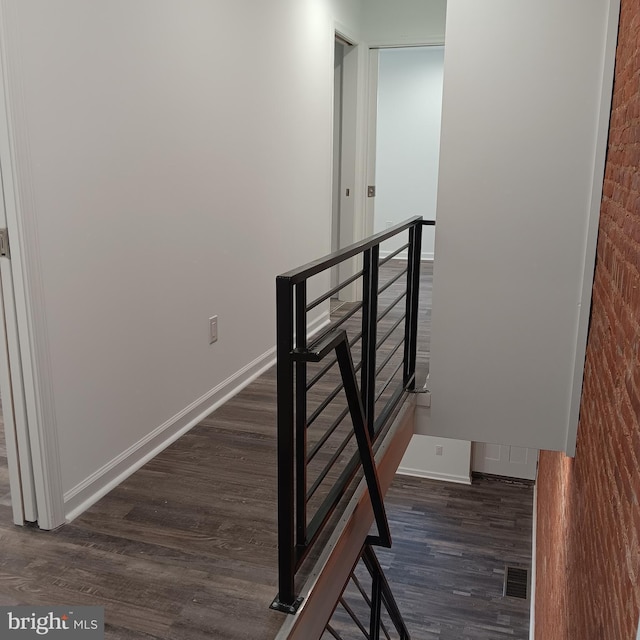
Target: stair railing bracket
<point x="292" y="609"/>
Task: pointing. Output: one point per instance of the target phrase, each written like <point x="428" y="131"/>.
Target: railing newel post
<point x="412" y="301"/>
<point x="285" y="437"/>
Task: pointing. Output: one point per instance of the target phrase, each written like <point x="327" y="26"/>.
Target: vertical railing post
<point x="370" y="279"/>
<point x="411" y="319"/>
<point x="285" y="415"/>
<point x="301" y="415"/>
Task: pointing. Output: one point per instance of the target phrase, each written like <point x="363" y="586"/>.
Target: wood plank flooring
<point x="186" y="547"/>
<point x="450" y="546"/>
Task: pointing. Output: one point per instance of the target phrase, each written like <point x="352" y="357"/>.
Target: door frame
<point x="26" y="380"/>
<point x="352" y="156"/>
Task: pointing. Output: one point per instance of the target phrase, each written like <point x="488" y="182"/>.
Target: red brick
<point x="588" y="537"/>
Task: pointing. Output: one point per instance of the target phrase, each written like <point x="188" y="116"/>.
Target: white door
<point x="502" y="460"/>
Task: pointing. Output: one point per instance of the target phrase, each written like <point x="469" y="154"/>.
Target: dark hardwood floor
<point x="451" y="543"/>
<point x="186" y="547"/>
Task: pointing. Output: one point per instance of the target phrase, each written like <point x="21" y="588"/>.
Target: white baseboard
<point x="433" y="475"/>
<point x="425" y="256"/>
<point x="532" y="584"/>
<point x="99" y="483"/>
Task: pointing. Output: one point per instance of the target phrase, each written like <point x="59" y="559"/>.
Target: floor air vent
<point x="516" y="582"/>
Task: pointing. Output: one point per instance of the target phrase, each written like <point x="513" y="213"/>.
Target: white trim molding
<point x="434" y="475"/>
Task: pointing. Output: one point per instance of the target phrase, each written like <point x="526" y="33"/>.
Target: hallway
<point x="187" y="548"/>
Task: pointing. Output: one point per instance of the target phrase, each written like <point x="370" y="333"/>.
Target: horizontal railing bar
<point x="393" y="255"/>
<point x="321" y="373"/>
<point x="323" y="474"/>
<point x="327" y="434"/>
<point x="389" y="356"/>
<point x="388" y="382"/>
<point x="335" y="634"/>
<point x="335" y="289"/>
<point x="323" y="405"/>
<point x="337" y="491"/>
<point x="347" y="316"/>
<point x="327" y="401"/>
<point x="316" y="266"/>
<point x="386" y="285"/>
<point x="354" y="617"/>
<point x="365" y="595"/>
<point x="388" y="333"/>
<point x="388" y="409"/>
<point x="330" y="502"/>
<point x="428" y="223"/>
<point x="391" y="306"/>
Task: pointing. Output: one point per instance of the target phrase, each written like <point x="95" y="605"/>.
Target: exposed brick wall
<point x="588" y="562"/>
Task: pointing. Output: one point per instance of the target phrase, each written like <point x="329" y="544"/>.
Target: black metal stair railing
<point x="319" y="450"/>
<point x="366" y="603"/>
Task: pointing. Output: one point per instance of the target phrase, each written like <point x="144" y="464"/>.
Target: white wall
<point x="408" y="138"/>
<point x="522" y="151"/>
<point x="404" y="22"/>
<point x="166" y="155"/>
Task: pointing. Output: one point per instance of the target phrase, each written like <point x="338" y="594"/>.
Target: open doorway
<point x="407" y="138"/>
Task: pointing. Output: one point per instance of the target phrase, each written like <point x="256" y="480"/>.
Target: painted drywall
<point x="422" y="459"/>
<point x="408" y="139"/>
<point x="404" y="22"/>
<point x="519" y="185"/>
<point x="161" y="181"/>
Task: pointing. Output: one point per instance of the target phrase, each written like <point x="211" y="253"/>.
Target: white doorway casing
<point x="346" y="158"/>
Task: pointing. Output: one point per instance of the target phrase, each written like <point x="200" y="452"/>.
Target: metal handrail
<point x="322" y="264"/>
